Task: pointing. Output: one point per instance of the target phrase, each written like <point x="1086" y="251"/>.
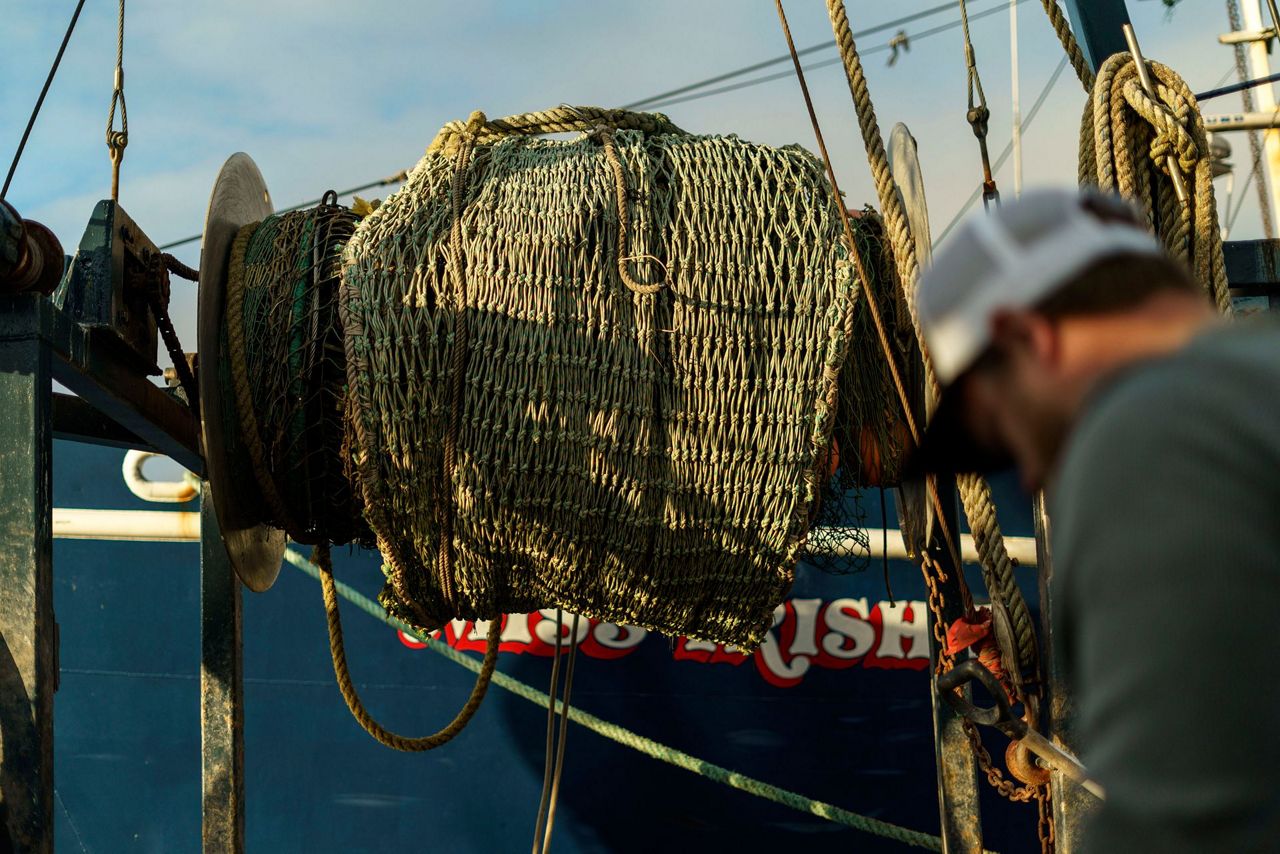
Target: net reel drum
<point x="239" y="197"/>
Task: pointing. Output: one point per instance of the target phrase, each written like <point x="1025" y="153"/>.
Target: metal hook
<point x="1002" y="718"/>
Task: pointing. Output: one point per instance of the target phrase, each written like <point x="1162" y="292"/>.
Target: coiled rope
<point x="624" y="736"/>
<point x="1122" y="123"/>
<point x="1126" y="137"/>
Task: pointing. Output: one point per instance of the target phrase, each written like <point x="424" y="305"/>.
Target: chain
<point x="1044" y="823"/>
<point x="933" y="575"/>
<point x="158" y="302"/>
<point x="117" y="140"/>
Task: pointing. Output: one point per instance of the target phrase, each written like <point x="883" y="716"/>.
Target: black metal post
<point x="957" y="766"/>
<point x="221" y="691"/>
<point x="28" y="633"/>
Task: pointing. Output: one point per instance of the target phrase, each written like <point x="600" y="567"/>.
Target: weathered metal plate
<point x="915" y="516"/>
<point x="239" y="197"/>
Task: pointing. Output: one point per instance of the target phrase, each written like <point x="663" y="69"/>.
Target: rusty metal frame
<point x="117" y="405"/>
<point x="958" y="797"/>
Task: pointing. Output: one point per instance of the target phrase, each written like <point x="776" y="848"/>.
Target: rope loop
<point x="624" y="220"/>
<point x="321" y="558"/>
<point x="562" y="119"/>
<point x="1171" y="118"/>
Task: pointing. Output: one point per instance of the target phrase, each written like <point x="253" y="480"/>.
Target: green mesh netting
<point x="286" y="290"/>
<point x="645" y="458"/>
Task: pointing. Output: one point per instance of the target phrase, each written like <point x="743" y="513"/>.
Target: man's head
<point x="1026" y="308"/>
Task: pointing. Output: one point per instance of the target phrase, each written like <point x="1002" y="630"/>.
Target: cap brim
<point x="947" y="446"/>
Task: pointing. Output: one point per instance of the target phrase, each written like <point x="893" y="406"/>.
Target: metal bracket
<point x="108" y="284"/>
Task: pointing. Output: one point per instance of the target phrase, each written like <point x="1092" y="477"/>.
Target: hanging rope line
<point x="975" y="493"/>
<point x="1006" y="152"/>
<point x="626" y="737"/>
<point x="44" y="90"/>
<point x="118" y="140"/>
<point x="484" y="672"/>
<point x="1062" y="28"/>
<point x="541" y="846"/>
<point x="872" y="303"/>
<point x="548" y="764"/>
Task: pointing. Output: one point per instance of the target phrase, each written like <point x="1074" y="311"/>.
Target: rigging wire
<point x="978" y="115"/>
<point x="53" y="69"/>
<point x="118" y="140"/>
<point x="672" y="96"/>
<point x="648" y="103"/>
<point x="381" y="182"/>
<point x="781" y="75"/>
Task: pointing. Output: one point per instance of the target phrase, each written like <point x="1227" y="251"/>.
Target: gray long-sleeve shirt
<point x="1167" y="596"/>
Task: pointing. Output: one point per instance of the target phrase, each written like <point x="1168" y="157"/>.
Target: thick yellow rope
<point x="624" y="218"/>
<point x="1062" y="29"/>
<point x="975" y="492"/>
<point x="249" y="428"/>
<point x="564" y="119"/>
<point x="320" y="557"/>
<point x="1126" y="139"/>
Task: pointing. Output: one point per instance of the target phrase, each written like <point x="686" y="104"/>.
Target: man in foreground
<point x="1069" y="344"/>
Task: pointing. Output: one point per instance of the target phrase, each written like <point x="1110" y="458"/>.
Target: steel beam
<point x="76" y="420"/>
<point x="1097" y="24"/>
<point x="28" y="633"/>
<point x="221" y="691"/>
<point x="1071" y="803"/>
<point x="957" y="766"/>
<point x="93" y="365"/>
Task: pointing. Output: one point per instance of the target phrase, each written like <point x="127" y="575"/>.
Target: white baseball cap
<point x="1013" y="257"/>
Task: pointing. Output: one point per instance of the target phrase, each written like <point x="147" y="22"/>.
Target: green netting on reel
<point x="286" y="342"/>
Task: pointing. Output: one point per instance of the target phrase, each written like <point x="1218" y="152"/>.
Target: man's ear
<point x="1025" y="332"/>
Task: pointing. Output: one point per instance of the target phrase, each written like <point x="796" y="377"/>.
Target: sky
<point x="326" y="95"/>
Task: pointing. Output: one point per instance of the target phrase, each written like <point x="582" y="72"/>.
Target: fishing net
<point x="288" y="370"/>
<point x="602" y="374"/>
<point x="870" y="434"/>
<point x="598" y="373"/>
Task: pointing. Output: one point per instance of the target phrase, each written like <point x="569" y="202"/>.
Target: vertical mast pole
<point x="1264" y="95"/>
<point x="1017" y="99"/>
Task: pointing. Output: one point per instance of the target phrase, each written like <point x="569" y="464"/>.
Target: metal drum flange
<point x="239" y="197"/>
<point x="914" y="512"/>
